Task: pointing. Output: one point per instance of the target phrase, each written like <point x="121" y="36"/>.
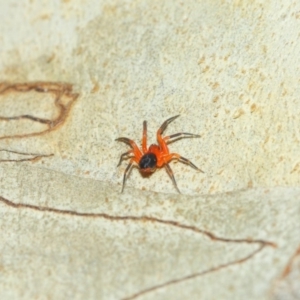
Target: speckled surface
<point x="231" y="70"/>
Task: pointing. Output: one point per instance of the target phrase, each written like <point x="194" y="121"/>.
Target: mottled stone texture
<point x="76" y="75"/>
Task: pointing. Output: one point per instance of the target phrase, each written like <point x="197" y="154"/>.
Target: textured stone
<point x="75" y="76"/>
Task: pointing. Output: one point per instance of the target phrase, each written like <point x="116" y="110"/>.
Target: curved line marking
<point x="210" y="235"/>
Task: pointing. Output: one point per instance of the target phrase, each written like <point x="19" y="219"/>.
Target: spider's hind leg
<point x="123" y="156"/>
<point x="182" y="159"/>
<point x="170" y="173"/>
<point x="188" y="162"/>
<point x="126" y="173"/>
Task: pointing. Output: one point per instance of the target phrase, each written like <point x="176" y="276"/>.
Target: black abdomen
<point x="148" y="160"/>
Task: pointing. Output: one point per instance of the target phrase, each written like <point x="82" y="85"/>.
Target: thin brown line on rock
<point x="59" y="90"/>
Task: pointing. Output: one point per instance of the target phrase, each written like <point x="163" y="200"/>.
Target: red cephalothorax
<point x="156" y="156"/>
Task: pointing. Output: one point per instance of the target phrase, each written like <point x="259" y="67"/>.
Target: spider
<point x="156" y="156"/>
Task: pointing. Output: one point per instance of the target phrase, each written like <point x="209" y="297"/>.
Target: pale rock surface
<point x="75" y="75"/>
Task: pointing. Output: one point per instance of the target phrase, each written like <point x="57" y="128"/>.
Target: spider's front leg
<point x="144" y="139"/>
<point x="178" y="136"/>
<point x="161" y="129"/>
<point x="165" y="124"/>
<point x="135" y="150"/>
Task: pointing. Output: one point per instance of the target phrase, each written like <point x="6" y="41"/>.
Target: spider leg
<point x="144" y="140"/>
<point x="170" y="173"/>
<point x="179" y="136"/>
<point x="123" y="156"/>
<point x="165" y="124"/>
<point x="127" y="141"/>
<point x="161" y="129"/>
<point x="126" y="173"/>
<point x="188" y="162"/>
<point x="132" y="144"/>
<point x="182" y="159"/>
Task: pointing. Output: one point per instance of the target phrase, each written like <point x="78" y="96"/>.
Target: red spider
<point x="156" y="156"/>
